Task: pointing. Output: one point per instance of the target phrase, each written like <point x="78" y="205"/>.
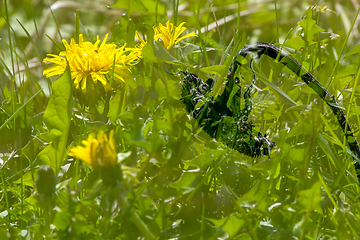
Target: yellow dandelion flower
<point x="98" y="152"/>
<point x="142" y="41"/>
<point x="142" y="44"/>
<point x="92" y="60"/>
<point x="170" y="35"/>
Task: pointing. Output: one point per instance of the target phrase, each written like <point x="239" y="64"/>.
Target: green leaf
<point x="155" y="8"/>
<point x="220" y="81"/>
<point x="310" y="27"/>
<point x="62" y="220"/>
<point x="185" y="180"/>
<point x="114" y="106"/>
<point x="148" y="53"/>
<point x="160" y="89"/>
<point x="31" y="149"/>
<point x="231" y="224"/>
<point x="163" y="55"/>
<point x="303" y="127"/>
<point x="57" y="118"/>
<point x="199" y="161"/>
<point x="131" y="6"/>
<point x="26" y="179"/>
<point x="355" y="50"/>
<point x="234" y="102"/>
<point x="257" y="194"/>
<point x="349" y="70"/>
<point x="284" y="97"/>
<point x="217" y="69"/>
<point x="297" y="229"/>
<point x="296" y="43"/>
<point x="298" y="154"/>
<point x="310" y="199"/>
<point x="156" y="52"/>
<point x="148" y="50"/>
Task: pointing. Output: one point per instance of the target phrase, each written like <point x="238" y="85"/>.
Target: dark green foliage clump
<point x="223" y="118"/>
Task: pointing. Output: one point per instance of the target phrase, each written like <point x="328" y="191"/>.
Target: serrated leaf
<point x="57" y="118"/>
<point x="310" y="27"/>
<point x="131" y="6"/>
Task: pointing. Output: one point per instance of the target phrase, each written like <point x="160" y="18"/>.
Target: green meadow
<point x="97" y="141"/>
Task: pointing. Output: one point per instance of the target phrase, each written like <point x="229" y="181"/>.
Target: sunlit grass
<point x="170" y="180"/>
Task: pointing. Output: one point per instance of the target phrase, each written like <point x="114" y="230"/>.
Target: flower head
<point x="170" y="34"/>
<point x="98" y="152"/>
<point x="142" y="44"/>
<point x="92" y="60"/>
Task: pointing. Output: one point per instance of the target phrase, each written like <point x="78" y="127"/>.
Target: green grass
<point x="177" y="182"/>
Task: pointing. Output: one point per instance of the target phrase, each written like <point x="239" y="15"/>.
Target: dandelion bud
<point x="46" y="180"/>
